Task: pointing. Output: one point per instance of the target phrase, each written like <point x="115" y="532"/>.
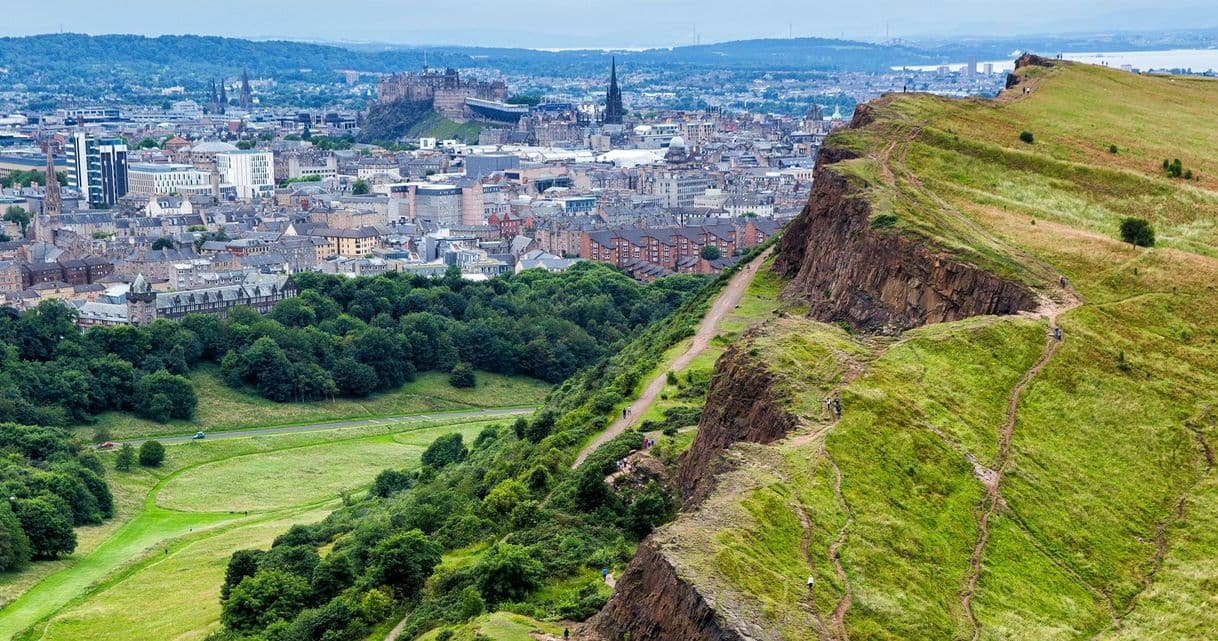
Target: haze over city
<point x="601" y="23"/>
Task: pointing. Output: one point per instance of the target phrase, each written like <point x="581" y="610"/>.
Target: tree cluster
<point x="47" y="486"/>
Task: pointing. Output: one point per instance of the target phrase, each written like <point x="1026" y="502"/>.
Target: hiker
<point x="829" y="404"/>
<point x="604" y="573"/>
<point x="566" y="634"/>
<point x="811" y="580"/>
<point x="623" y="412"/>
<point x="1057" y="333"/>
<point x="837" y="406"/>
<point x="1061" y="281"/>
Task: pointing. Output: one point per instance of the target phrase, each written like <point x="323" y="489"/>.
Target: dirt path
<point x="805" y="545"/>
<point x="837" y="619"/>
<point x="726" y="302"/>
<point x="993" y="478"/>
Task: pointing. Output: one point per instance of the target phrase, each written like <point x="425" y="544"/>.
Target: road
<point x="726" y="302"/>
<point x="388" y="420"/>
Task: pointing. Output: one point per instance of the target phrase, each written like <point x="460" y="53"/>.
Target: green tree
<point x="163" y="242"/>
<point x="263" y="599"/>
<point x="152" y="453"/>
<point x="354" y="378"/>
<point x="710" y="252"/>
<point x="14" y="544"/>
<point x="445" y="450"/>
<point x="161" y="396"/>
<point x="125" y="459"/>
<point x="507" y="572"/>
<point x="1027" y="137"/>
<point x="359" y="187"/>
<point x="19" y="216"/>
<point x="49" y="531"/>
<point x="403" y="562"/>
<point x="1138" y="231"/>
<point x="242" y="564"/>
<point x="462" y="376"/>
<point x="650" y="508"/>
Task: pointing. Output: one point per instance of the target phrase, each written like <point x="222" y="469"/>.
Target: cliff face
<point x="741" y="405"/>
<point x="653" y="603"/>
<point x="879" y="281"/>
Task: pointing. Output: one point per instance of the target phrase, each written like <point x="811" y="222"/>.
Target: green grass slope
<point x="1104" y="526"/>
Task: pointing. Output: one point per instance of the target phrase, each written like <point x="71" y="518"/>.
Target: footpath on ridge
<point x="726" y="302"/>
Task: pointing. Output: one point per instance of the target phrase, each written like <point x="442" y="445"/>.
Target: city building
<point x="97" y="168"/>
<point x="614" y="112"/>
<point x="250" y="172"/>
<point x="149" y="179"/>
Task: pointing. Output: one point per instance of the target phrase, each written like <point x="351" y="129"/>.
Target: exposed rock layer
<point x="878" y="280"/>
<point x="653" y="603"/>
<point x="741" y="405"/>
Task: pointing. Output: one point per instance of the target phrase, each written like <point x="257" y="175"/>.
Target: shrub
<point x="507" y="572"/>
<point x="445" y="450"/>
<point x="1112" y="149"/>
<point x="125" y="459"/>
<point x="1138" y="231"/>
<point x="884" y="221"/>
<point x="152" y="453"/>
<point x="462" y="376"/>
<point x="14" y="544"/>
<point x="710" y="252"/>
<point x="1027" y="137"/>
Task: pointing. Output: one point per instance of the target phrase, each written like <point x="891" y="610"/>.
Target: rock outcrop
<point x="879" y="280"/>
<point x="1026" y="60"/>
<point x="653" y="603"/>
<point x="741" y="405"/>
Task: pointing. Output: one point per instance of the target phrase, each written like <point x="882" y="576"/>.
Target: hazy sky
<point x="597" y="23"/>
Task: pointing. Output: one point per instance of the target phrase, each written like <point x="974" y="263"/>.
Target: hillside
<point x="984" y="480"/>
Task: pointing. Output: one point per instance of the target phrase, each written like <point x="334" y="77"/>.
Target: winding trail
<point x="993" y="478"/>
<point x="838" y="619"/>
<point x="726" y="302"/>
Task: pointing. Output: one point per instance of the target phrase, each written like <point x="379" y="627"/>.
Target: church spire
<point x="613" y="99"/>
<point x="214" y="99"/>
<point x="52" y="204"/>
<point x="223" y="97"/>
<point x="246" y="100"/>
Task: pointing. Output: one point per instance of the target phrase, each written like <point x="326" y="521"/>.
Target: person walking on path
<point x="837" y="406"/>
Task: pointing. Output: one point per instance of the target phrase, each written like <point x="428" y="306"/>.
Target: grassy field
<point x="222" y="408"/>
<point x="178" y="524"/>
<point x="436" y="126"/>
<point x="1108" y="502"/>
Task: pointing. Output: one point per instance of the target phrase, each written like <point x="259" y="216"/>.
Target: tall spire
<point x="52" y="203"/>
<point x="223" y="96"/>
<point x="214" y="100"/>
<point x="246" y="100"/>
<point x="613" y="99"/>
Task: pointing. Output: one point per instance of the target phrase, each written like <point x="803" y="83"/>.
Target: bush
<point x="462" y="376"/>
<point x="126" y="458"/>
<point x="710" y="252"/>
<point x="1112" y="149"/>
<point x="445" y="450"/>
<point x="884" y="221"/>
<point x="1027" y="137"/>
<point x="152" y="453"/>
<point x="507" y="572"/>
<point x="49" y="531"/>
<point x="1138" y="231"/>
<point x="14" y="544"/>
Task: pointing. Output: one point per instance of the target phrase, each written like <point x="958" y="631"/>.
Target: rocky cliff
<point x="879" y="280"/>
<point x="653" y="603"/>
<point x="741" y="405"/>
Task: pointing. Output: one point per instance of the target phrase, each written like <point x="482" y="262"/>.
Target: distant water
<point x="1199" y="60"/>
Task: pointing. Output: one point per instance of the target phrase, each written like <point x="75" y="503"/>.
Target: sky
<point x="598" y="23"/>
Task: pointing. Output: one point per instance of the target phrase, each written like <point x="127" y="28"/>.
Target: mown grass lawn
<point x="222" y="408"/>
<point x="191" y="516"/>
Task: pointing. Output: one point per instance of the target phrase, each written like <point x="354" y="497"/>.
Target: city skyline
<point x="599" y="24"/>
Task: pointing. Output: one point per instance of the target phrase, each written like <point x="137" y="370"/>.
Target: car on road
<point x="198" y="435"/>
<point x="107" y="445"/>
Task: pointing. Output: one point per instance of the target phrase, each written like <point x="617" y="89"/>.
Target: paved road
<point x="388" y="420"/>
<point x="726" y="302"/>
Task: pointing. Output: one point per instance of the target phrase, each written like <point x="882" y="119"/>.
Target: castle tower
<point x="141" y="302"/>
<point x="613" y="99"/>
<point x="247" y="101"/>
